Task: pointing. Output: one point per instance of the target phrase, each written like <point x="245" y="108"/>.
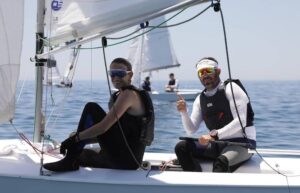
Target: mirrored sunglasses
<point x="118" y="73"/>
<point x="208" y="71"/>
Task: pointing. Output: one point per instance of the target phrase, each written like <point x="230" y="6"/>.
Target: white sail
<point x="54" y="76"/>
<point x="73" y="19"/>
<point x="70" y="67"/>
<point x="11" y="35"/>
<point x="152" y="51"/>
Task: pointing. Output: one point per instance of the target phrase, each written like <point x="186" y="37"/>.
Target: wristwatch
<point x="214" y="134"/>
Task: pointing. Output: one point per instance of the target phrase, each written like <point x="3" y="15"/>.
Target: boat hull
<point x="20" y="172"/>
<point x="47" y="185"/>
<point x="188" y="95"/>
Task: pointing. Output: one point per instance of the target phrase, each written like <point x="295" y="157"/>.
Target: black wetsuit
<point x="114" y="150"/>
<point x="146" y="86"/>
<point x="171" y="82"/>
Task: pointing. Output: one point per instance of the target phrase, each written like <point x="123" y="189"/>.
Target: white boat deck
<point x="22" y="165"/>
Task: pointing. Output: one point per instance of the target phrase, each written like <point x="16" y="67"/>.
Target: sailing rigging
<point x="153" y="51"/>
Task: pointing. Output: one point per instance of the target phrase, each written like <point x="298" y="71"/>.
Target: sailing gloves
<point x="69" y="143"/>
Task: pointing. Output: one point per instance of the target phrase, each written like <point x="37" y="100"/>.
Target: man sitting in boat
<point x="147" y="84"/>
<point x="215" y="106"/>
<point x="122" y="140"/>
<point x="173" y="83"/>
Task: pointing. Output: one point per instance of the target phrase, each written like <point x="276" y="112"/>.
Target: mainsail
<point x="152" y="51"/>
<point x="11" y="35"/>
<point x="74" y="19"/>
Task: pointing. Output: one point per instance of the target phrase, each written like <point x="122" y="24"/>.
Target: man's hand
<point x="205" y="139"/>
<point x="181" y="104"/>
<point x="68" y="143"/>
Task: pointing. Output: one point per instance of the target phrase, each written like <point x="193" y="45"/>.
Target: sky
<point x="263" y="41"/>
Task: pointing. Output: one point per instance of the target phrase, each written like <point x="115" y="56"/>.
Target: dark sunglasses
<point x="118" y="73"/>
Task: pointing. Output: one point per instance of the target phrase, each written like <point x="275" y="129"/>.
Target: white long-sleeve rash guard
<point x="233" y="129"/>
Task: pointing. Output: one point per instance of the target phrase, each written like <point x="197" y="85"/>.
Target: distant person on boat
<point x="147" y="84"/>
<point x="173" y="83"/>
<point x="215" y="106"/>
<point x="122" y="133"/>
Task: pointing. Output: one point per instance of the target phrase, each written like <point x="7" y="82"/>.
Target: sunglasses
<point x="118" y="73"/>
<point x="208" y="71"/>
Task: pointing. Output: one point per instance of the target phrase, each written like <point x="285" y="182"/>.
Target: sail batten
<point x="11" y="35"/>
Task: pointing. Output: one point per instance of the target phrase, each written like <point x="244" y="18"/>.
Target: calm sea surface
<point x="276" y="105"/>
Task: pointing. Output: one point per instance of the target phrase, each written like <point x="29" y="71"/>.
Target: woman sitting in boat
<point x="227" y="141"/>
<point x="122" y="140"/>
<point x="173" y="83"/>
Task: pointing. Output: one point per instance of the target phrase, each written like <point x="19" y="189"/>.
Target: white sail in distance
<point x="11" y="36"/>
<point x="152" y="51"/>
<point x="70" y="67"/>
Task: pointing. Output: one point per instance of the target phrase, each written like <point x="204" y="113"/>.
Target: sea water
<point x="276" y="105"/>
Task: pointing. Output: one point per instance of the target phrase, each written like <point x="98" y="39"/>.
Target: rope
<point x="25" y="139"/>
<point x="104" y="44"/>
<point x="217" y="7"/>
<point x="185" y="21"/>
<point x="152" y="28"/>
<point x="66" y="95"/>
<point x="164" y="165"/>
<point x="125" y="36"/>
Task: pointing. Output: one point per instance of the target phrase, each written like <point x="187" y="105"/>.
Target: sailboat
<point x="54" y="76"/>
<point x="70" y="68"/>
<point x="67" y="78"/>
<point x="20" y="159"/>
<point x="151" y="52"/>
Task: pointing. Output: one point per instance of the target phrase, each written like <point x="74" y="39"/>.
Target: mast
<point x="38" y="121"/>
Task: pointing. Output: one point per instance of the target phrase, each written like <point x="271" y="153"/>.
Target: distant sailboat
<point x="67" y="78"/>
<point x="54" y="76"/>
<point x="153" y="51"/>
